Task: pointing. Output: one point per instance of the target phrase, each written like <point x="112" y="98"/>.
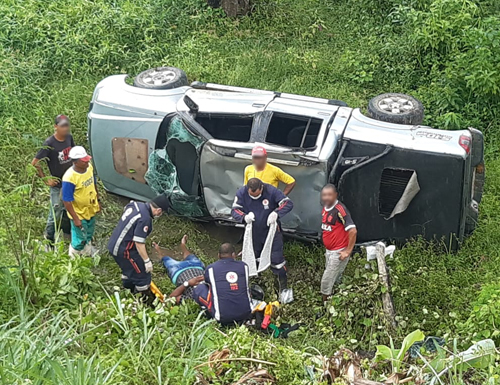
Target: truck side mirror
<point x="193" y="107"/>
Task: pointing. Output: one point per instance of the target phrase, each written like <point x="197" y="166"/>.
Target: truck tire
<point x="161" y="78"/>
<point x="396" y="108"/>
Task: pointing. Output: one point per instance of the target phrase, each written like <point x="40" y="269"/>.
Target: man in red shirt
<point x="339" y="238"/>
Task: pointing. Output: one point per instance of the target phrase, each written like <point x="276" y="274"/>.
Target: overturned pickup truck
<point x="398" y="178"/>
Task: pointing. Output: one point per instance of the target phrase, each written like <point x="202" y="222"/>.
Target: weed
<point x="53" y="53"/>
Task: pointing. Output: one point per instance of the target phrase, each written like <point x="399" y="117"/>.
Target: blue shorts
<point x="175" y="268"/>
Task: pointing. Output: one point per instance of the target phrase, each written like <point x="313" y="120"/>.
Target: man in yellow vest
<point x="267" y="172"/>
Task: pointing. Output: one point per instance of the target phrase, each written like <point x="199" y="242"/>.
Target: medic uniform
<point x="336" y="222"/>
<point x="270" y="200"/>
<point x="136" y="223"/>
<point x="227" y="296"/>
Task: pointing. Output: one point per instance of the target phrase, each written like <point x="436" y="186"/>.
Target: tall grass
<point x="52" y="53"/>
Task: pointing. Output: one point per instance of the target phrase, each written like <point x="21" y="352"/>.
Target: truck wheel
<point x="396" y="108"/>
<point x="161" y="78"/>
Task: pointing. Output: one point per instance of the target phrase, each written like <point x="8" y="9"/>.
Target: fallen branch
<point x="236" y="359"/>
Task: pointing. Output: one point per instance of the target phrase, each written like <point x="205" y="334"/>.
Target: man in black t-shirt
<point x="55" y="153"/>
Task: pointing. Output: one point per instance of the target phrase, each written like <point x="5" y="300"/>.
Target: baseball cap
<point x="259" y="151"/>
<point x="162" y="202"/>
<point x="78" y="152"/>
<point x="61" y="120"/>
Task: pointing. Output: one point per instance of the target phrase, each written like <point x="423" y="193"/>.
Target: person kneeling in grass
<point x="81" y="200"/>
<point x="185" y="274"/>
<point x="221" y="289"/>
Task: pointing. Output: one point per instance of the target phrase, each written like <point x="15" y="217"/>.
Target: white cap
<point x="78" y="152"/>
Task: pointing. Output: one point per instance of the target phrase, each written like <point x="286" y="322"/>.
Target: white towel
<point x="248" y="254"/>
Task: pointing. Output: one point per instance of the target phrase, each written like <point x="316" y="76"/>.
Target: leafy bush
<point x="484" y="319"/>
<point x="459" y="47"/>
<point x="63" y="279"/>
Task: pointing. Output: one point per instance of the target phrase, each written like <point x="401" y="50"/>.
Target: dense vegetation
<point x="65" y="321"/>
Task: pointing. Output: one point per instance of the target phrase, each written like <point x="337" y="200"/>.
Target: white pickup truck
<point x="398" y="178"/>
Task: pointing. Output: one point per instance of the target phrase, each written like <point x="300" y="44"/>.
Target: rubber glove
<point x="249" y="218"/>
<point x="272" y="218"/>
<point x="148" y="265"/>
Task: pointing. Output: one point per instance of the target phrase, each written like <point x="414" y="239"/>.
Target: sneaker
<point x="73" y="252"/>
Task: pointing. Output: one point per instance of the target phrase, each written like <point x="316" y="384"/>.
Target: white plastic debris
<point x="371" y="251"/>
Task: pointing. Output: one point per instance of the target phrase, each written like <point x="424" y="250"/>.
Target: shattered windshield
<point x="174" y="170"/>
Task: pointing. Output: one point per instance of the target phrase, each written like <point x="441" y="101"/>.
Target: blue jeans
<point x="80" y="236"/>
<point x="56" y="212"/>
<point x="174" y="268"/>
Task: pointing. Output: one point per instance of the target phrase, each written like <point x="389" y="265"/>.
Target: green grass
<point x="53" y="53"/>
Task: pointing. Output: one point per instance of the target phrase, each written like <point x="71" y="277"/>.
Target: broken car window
<point x="293" y="131"/>
<point x="227" y="127"/>
<point x="174" y="170"/>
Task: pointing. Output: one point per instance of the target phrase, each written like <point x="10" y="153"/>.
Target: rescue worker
<point x="128" y="244"/>
<point x="81" y="200"/>
<point x="267" y="172"/>
<point x="262" y="205"/>
<point x="339" y="238"/>
<point x="55" y="153"/>
<point x="225" y="295"/>
<point x="185" y="274"/>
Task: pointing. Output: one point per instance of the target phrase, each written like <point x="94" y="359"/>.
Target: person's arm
<point x="237" y="209"/>
<point x="350" y="227"/>
<point x="39" y="171"/>
<point x="177" y="293"/>
<point x="352" y="233"/>
<point x="68" y="196"/>
<point x="287" y="179"/>
<point x="285" y="204"/>
<point x="141" y="232"/>
<point x="246" y="173"/>
<point x="141" y="248"/>
<point x="43" y="154"/>
<point x="288" y="188"/>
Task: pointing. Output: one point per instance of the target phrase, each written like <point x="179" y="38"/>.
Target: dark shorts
<point x="133" y="270"/>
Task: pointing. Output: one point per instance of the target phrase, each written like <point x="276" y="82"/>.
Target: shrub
<point x="484" y="319"/>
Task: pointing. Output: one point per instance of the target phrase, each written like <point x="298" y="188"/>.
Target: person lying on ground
<point x="185" y="274"/>
<point x="262" y="205"/>
<point x="339" y="238"/>
<point x="127" y="244"/>
<point x="267" y="172"/>
<point x="81" y="200"/>
<point x="225" y="295"/>
<point x="55" y="153"/>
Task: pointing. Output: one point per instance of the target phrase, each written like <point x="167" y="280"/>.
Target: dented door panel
<point x="222" y="175"/>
